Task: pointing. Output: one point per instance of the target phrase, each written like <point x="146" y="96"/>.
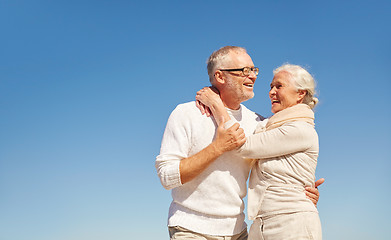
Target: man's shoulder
<point x="186" y="107"/>
<point x="187" y="115"/>
<point x="186" y="110"/>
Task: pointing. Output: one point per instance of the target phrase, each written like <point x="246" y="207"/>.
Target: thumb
<point x="319" y="182"/>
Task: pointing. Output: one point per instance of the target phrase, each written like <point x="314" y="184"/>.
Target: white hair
<point x="302" y="81"/>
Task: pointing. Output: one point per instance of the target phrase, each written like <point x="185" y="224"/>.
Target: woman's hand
<point x="209" y="96"/>
<point x="229" y="139"/>
<point x="204" y="109"/>
<point x="204" y="99"/>
<point x="209" y="102"/>
<point x="313" y="193"/>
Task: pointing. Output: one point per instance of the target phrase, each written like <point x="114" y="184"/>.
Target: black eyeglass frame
<point x="255" y="70"/>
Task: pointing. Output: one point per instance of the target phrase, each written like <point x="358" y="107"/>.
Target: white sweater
<point x="212" y="203"/>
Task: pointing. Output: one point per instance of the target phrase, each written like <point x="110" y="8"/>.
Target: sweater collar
<point x="237" y="114"/>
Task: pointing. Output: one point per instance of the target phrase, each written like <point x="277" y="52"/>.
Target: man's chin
<point x="248" y="97"/>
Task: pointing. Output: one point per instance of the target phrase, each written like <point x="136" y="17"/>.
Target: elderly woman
<point x="286" y="149"/>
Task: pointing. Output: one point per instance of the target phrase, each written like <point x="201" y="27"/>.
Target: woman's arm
<point x="290" y="138"/>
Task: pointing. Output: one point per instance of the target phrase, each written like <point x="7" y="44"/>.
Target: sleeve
<point x="229" y="123"/>
<point x="289" y="138"/>
<point x="174" y="147"/>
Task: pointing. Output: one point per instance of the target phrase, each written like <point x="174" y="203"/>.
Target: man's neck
<point x="229" y="101"/>
<point x="231" y="105"/>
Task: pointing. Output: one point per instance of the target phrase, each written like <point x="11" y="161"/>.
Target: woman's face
<point x="283" y="93"/>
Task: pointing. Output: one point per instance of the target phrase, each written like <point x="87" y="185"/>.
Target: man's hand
<point x="229" y="139"/>
<point x="226" y="140"/>
<point x="313" y="193"/>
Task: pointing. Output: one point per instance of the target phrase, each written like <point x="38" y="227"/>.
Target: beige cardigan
<point x="287" y="149"/>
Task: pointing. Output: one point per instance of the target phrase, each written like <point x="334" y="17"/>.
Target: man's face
<point x="238" y="86"/>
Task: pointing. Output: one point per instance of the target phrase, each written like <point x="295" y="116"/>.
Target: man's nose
<point x="252" y="75"/>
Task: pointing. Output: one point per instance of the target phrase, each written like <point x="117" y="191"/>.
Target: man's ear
<point x="219" y="77"/>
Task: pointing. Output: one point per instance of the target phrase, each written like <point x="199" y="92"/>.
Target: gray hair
<point x="302" y="80"/>
<point x="219" y="57"/>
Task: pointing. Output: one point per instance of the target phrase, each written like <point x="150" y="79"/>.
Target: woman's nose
<point x="272" y="91"/>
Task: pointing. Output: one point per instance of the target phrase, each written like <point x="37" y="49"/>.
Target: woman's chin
<point x="275" y="108"/>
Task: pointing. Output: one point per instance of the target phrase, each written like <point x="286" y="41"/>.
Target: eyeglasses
<point x="246" y="70"/>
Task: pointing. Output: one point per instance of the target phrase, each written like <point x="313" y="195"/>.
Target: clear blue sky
<point x="86" y="88"/>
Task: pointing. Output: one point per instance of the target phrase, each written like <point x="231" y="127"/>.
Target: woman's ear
<point x="301" y="96"/>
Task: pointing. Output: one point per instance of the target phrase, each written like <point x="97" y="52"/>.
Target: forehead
<point x="282" y="77"/>
<point x="239" y="59"/>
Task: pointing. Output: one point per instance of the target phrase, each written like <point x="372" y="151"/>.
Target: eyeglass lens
<point x="247" y="71"/>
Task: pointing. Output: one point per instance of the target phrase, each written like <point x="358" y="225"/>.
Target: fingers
<point x="228" y="141"/>
<point x="242" y="139"/>
<point x="200" y="106"/>
<point x="207" y="89"/>
<point x="235" y="127"/>
<point x="319" y="182"/>
<point x="204" y="89"/>
<point x="203" y="108"/>
<point x="312" y="191"/>
<point x="238" y="134"/>
<point x="312" y="194"/>
<point x="314" y="199"/>
<point x="202" y="97"/>
<point x="235" y="131"/>
<point x="207" y="111"/>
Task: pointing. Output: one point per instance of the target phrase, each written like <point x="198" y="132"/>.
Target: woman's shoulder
<point x="302" y="128"/>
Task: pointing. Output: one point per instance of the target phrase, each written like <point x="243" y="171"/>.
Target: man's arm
<point x="174" y="166"/>
<point x="225" y="141"/>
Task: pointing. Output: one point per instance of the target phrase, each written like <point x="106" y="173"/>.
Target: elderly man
<point x="208" y="186"/>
